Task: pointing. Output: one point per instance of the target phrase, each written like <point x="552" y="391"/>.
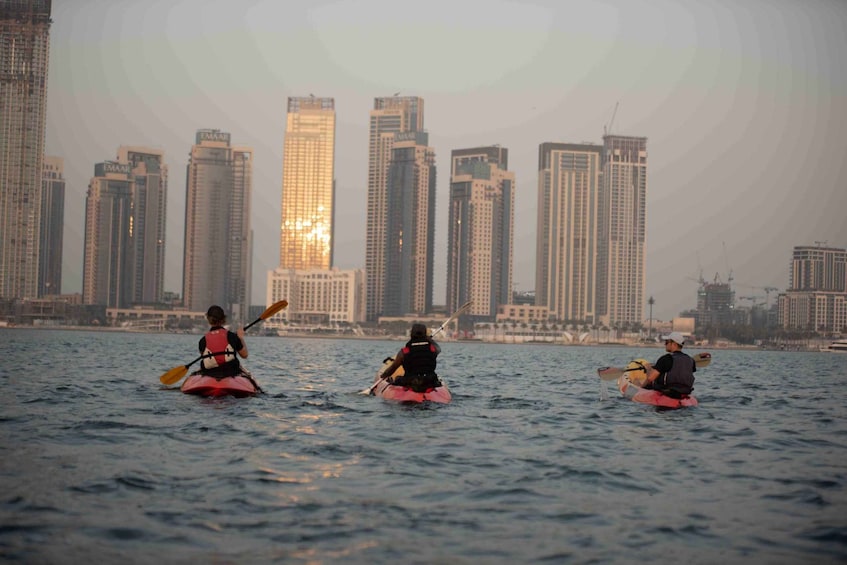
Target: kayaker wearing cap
<point x="418" y="359"/>
<point x="673" y="373"/>
<point x="223" y="344"/>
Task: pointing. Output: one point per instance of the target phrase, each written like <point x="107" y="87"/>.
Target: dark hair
<point x="418" y="330"/>
<point x="216" y="314"/>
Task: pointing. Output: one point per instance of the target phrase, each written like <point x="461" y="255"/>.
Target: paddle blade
<point x="174" y="375"/>
<point x="269" y="311"/>
<point x="609" y="373"/>
<point x="702" y="360"/>
<point x="273" y="309"/>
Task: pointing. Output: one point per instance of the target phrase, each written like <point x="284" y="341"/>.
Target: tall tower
<point x="308" y="185"/>
<point x="410" y="229"/>
<point x="24" y="54"/>
<point x="216" y="262"/>
<point x="108" y="259"/>
<point x="240" y="251"/>
<point x="149" y="198"/>
<point x="816" y="297"/>
<point x="569" y="187"/>
<point x="390" y="116"/>
<point x="52" y="227"/>
<point x="620" y="297"/>
<point x="479" y="239"/>
<point x="818" y="268"/>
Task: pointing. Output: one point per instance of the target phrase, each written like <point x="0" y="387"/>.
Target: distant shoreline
<point x="397" y="338"/>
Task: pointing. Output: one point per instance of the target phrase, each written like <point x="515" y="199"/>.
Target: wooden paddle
<point x="180" y="371"/>
<point x="613" y="373"/>
<point x="440" y="329"/>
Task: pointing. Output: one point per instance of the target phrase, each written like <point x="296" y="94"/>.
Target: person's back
<point x="221" y="346"/>
<point x="419" y="361"/>
<point x="673" y="373"/>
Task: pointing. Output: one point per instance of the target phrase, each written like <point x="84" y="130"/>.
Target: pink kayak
<point x="383" y="388"/>
<point x="654" y="397"/>
<point x="204" y="385"/>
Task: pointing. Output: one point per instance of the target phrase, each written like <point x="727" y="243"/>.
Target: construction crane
<point x="607" y="130"/>
<point x="767" y="290"/>
<point x="726" y="261"/>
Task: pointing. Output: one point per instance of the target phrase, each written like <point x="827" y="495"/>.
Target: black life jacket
<point x="679" y="381"/>
<point x="419" y="357"/>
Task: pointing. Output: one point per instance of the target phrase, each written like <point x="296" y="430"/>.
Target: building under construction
<point x="715" y="304"/>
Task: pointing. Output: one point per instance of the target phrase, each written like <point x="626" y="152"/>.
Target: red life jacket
<point x="217" y="342"/>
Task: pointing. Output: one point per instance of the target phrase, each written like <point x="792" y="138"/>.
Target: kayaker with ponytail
<point x="673" y="374"/>
<point x="221" y="345"/>
<point x="418" y="359"/>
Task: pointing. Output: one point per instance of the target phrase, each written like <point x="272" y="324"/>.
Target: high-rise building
<point x="108" y="259"/>
<point x="308" y="185"/>
<point x="816" y="298"/>
<point x="622" y="227"/>
<point x="241" y="236"/>
<point x="410" y="226"/>
<point x="390" y="116"/>
<point x="317" y="293"/>
<point x="124" y="259"/>
<point x="819" y="268"/>
<point x="52" y="227"/>
<point x="24" y="54"/>
<point x="218" y="244"/>
<point x="149" y="209"/>
<point x="481" y="224"/>
<point x="569" y="189"/>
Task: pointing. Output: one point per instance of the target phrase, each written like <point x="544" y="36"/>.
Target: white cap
<point x="676" y="337"/>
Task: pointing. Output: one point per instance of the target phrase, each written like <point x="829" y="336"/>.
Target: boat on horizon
<point x="837" y="346"/>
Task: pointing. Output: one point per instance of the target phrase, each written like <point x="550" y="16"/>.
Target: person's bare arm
<point x="243" y="351"/>
<point x="398" y="361"/>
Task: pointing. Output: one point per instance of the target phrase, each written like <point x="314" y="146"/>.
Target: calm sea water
<point x="99" y="463"/>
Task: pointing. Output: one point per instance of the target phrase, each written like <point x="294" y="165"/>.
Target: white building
<point x="317" y="296"/>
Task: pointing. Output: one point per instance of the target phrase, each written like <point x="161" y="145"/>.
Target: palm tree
<point x="651" y="301"/>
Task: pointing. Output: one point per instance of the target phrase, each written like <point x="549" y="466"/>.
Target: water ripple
<point x="525" y="465"/>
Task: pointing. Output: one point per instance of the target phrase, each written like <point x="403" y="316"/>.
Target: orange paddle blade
<point x="174" y="375"/>
<point x="269" y="311"/>
<point x="273" y="309"/>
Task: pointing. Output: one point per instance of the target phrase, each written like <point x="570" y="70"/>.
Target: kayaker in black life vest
<point x="224" y="344"/>
<point x="673" y="373"/>
<point x="418" y="359"/>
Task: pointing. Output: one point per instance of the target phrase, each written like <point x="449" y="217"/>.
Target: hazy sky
<point x="744" y="104"/>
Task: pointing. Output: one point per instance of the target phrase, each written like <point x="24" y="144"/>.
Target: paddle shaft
<point x="613" y="373"/>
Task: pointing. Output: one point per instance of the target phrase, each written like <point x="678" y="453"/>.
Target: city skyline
<point x="740" y="104"/>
